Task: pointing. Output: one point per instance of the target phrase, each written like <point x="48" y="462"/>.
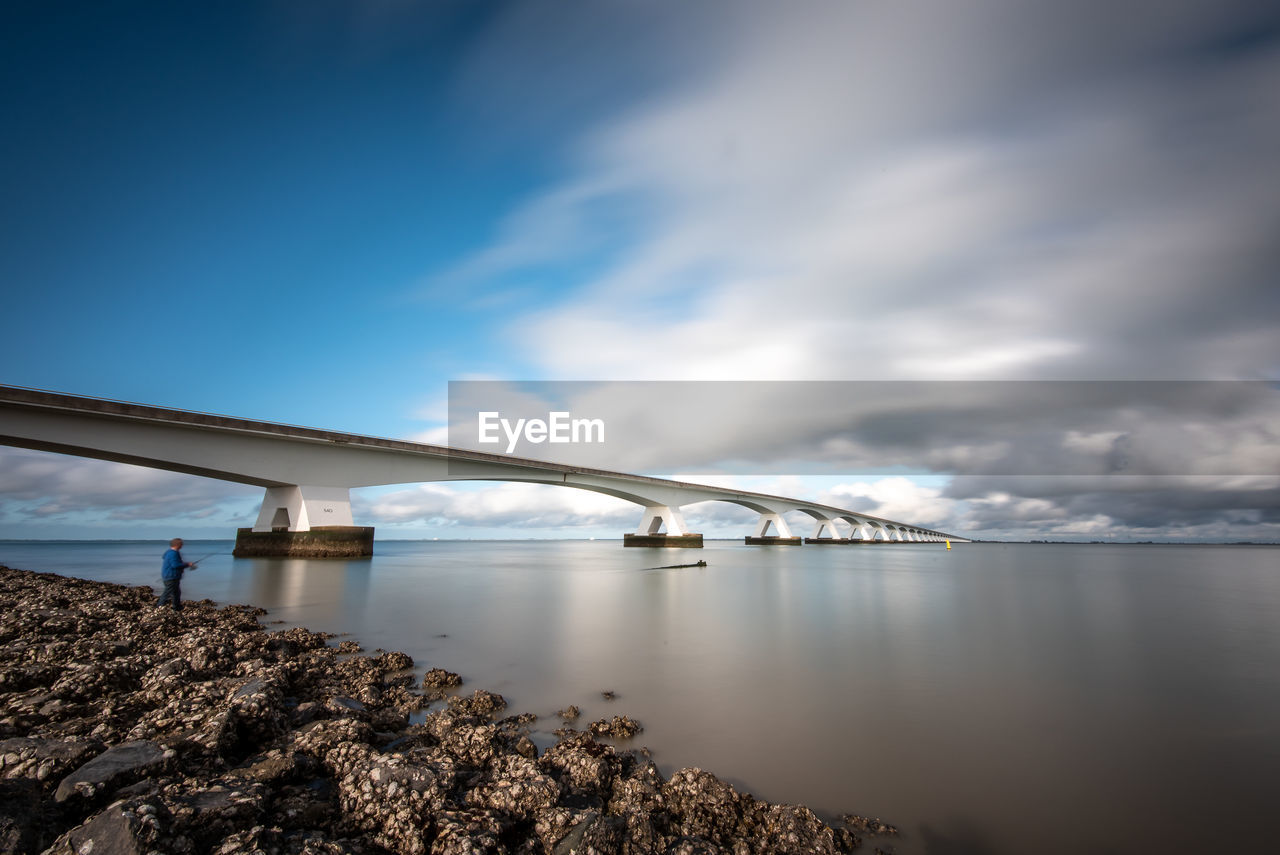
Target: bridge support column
<point x="650" y="531"/>
<point x="303" y="508"/>
<point x="761" y="536"/>
<point x="832" y="533"/>
<point x="305" y="522"/>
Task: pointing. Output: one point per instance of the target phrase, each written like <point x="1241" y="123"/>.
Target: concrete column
<point x="782" y="535"/>
<point x="656" y="516"/>
<point x="824" y="525"/>
<point x="827" y="525"/>
<point x="779" y="524"/>
<point x="301" y="508"/>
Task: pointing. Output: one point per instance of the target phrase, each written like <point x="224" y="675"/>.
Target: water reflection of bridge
<point x="308" y="473"/>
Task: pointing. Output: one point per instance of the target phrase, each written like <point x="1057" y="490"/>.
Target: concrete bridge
<point x="308" y="474"/>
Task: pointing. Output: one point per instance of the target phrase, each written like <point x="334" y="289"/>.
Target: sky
<point x="322" y="213"/>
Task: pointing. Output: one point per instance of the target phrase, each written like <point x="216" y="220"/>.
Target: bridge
<point x="308" y="474"/>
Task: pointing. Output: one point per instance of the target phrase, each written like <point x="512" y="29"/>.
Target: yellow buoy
<point x="948" y="544"/>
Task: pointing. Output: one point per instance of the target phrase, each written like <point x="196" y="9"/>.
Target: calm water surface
<point x="991" y="699"/>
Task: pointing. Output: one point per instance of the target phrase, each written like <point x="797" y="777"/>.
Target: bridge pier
<point x="761" y="536"/>
<point x="304" y="522"/>
<point x="650" y="531"/>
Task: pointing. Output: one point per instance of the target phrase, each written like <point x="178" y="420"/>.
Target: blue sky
<point x="321" y="213"/>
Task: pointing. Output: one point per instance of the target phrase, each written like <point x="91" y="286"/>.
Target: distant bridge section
<point x="308" y="473"/>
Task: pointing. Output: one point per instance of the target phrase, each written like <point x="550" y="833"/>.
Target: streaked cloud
<point x="923" y="190"/>
<point x="40" y="487"/>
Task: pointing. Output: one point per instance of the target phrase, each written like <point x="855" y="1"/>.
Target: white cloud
<point x="925" y="190"/>
<point x="513" y="506"/>
<point x="898" y="498"/>
<point x="41" y="487"/>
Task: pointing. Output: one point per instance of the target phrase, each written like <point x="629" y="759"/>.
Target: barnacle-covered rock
<point x="439" y="678"/>
<point x="516" y="787"/>
<point x="868" y="824"/>
<point x="481" y="704"/>
<point x="45" y="760"/>
<point x="210" y="814"/>
<point x="583" y="766"/>
<point x="473" y="745"/>
<point x="391" y="796"/>
<point x="255" y="713"/>
<point x="703" y="806"/>
<point x="392" y="661"/>
<point x="467" y="832"/>
<point x="619" y="727"/>
<point x="793" y="829"/>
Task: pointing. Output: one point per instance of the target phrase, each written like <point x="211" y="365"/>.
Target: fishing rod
<point x="210" y="555"/>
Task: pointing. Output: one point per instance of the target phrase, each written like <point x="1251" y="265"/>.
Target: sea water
<point x="991" y="698"/>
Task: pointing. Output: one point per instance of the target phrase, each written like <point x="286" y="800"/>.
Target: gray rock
<point x="344" y="706"/>
<point x="115" y="767"/>
<point x="124" y="828"/>
<point x="274" y="766"/>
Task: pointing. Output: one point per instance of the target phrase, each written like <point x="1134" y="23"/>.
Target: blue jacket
<point x="173" y="566"/>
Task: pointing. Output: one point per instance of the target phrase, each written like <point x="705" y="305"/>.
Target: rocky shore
<point x="125" y="728"/>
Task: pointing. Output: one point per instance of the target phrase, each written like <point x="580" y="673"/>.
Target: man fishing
<point x="171" y="571"/>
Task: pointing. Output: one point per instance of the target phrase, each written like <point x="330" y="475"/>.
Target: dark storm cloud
<point x="1011" y="428"/>
<point x="1126" y="502"/>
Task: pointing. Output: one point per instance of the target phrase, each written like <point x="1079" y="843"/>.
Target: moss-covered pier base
<point x="689" y="541"/>
<point x="333" y="541"/>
